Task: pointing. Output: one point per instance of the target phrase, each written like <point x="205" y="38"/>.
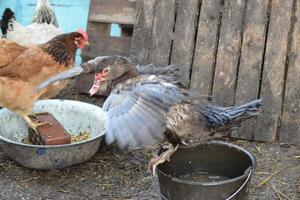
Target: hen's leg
<point x="39" y="123"/>
<point x="32" y="124"/>
<point x="37" y="113"/>
<point x="154" y="162"/>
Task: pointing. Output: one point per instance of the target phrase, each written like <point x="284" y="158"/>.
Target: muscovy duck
<point x="143" y="110"/>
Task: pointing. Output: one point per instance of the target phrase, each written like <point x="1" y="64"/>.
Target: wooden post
<point x="206" y="44"/>
<point x="290" y="129"/>
<point x="183" y="44"/>
<point x="228" y="52"/>
<point x="162" y="32"/>
<point x="273" y="70"/>
<point x="251" y="60"/>
<point x="142" y="33"/>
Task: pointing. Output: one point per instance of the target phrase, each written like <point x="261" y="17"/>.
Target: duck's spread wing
<point x="136" y="114"/>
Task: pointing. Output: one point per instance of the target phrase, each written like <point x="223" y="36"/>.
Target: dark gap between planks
<point x="265" y="47"/>
<point x="240" y="50"/>
<point x="173" y="30"/>
<point x="195" y="40"/>
<point x="216" y="50"/>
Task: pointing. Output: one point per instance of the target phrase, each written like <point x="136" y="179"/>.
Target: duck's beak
<point x="97" y="82"/>
<point x="94" y="89"/>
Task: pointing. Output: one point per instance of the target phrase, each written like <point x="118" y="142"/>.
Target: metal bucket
<point x="214" y="160"/>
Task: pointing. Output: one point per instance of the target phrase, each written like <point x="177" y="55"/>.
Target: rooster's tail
<point x="6" y="22"/>
<point x="44" y="13"/>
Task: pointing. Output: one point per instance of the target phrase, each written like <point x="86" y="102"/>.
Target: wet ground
<point x="123" y="174"/>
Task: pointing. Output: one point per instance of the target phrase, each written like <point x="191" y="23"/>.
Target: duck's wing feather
<point x="135" y="112"/>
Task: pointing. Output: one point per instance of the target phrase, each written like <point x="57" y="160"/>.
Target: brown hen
<point x="23" y="68"/>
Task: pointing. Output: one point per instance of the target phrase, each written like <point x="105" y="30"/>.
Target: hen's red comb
<point x="84" y="34"/>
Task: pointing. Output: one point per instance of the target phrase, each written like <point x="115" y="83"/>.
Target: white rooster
<point x="43" y="28"/>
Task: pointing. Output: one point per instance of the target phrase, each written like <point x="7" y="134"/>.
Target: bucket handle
<point x="242" y="186"/>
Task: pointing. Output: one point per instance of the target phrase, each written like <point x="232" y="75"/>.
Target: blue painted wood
<point x="71" y="14"/>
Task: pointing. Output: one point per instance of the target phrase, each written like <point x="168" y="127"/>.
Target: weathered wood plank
<point x="273" y="71"/>
<point x="162" y="32"/>
<point x="228" y="52"/>
<point x="106" y="46"/>
<point x="112" y="11"/>
<point x="184" y="35"/>
<point x="251" y="60"/>
<point x="290" y="129"/>
<point x="94" y="30"/>
<point x="98" y="28"/>
<point x="204" y="54"/>
<point x="142" y="33"/>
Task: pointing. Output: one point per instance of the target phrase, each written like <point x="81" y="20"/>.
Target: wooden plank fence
<point x="101" y="15"/>
<point x="231" y="50"/>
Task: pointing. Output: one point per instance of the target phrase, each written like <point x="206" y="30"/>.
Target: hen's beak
<point x="86" y="43"/>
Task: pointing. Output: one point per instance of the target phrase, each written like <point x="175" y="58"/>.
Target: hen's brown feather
<point x="9" y="51"/>
<point x="20" y="100"/>
<point x="62" y="48"/>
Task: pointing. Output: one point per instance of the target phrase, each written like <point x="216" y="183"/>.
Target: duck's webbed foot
<point x="164" y="156"/>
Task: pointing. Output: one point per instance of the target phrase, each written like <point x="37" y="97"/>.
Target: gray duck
<point x="143" y="110"/>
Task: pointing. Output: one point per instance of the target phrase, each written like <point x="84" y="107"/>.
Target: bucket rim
<point x="218" y="183"/>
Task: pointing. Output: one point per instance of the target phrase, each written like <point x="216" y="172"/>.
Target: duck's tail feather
<point x="227" y="117"/>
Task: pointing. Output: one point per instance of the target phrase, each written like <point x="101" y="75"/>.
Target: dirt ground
<point x="123" y="174"/>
